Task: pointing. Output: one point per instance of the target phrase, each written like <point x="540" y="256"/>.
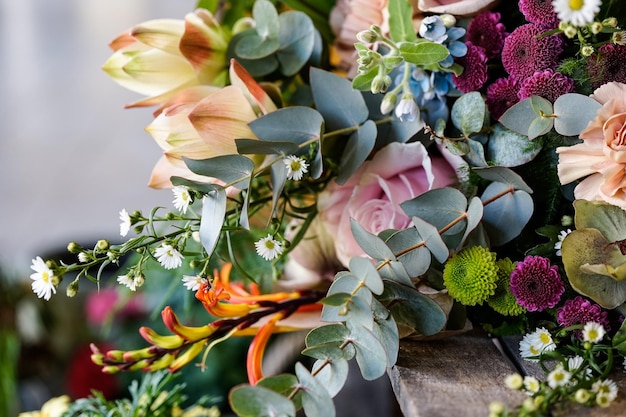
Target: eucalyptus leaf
<point x="283" y="384"/>
<point x="278" y="178"/>
<point x="213" y="212"/>
<point x="415" y="257"/>
<point x="539" y="127"/>
<point x="295" y="124"/>
<point x="316" y="401"/>
<point x="395" y="271"/>
<point x="337" y="299"/>
<point x="328" y="351"/>
<point x="371" y="244"/>
<point x="349" y="284"/>
<point x="474" y="217"/>
<point x="386" y="331"/>
<point x="503" y="175"/>
<point x="400" y="21"/>
<point x="519" y="116"/>
<point x="423" y="53"/>
<point x="244" y="221"/>
<point x="573" y="113"/>
<point x="364" y="270"/>
<point x="475" y="155"/>
<point x="335" y="333"/>
<point x="468" y="113"/>
<point x="505" y="213"/>
<point x="357" y="309"/>
<point x="508" y="148"/>
<point x="258" y="401"/>
<point x="440" y="207"/>
<point x="541" y="106"/>
<point x="432" y="239"/>
<point x="370" y="353"/>
<point x="235" y="170"/>
<point x="265" y="17"/>
<point x="262" y="147"/>
<point x="411" y="308"/>
<point x="340" y="105"/>
<point x="333" y="375"/>
<point x="358" y="148"/>
<point x="253" y="47"/>
<point x="203" y="187"/>
<point x="297" y="39"/>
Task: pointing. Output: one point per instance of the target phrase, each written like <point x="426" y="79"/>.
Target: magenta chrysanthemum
<point x="474" y="65"/>
<point x="547" y="84"/>
<point x="607" y="65"/>
<point x="540" y="12"/>
<point x="536" y="284"/>
<point x="486" y="31"/>
<point x="501" y="95"/>
<point x="524" y="53"/>
<point x="581" y="311"/>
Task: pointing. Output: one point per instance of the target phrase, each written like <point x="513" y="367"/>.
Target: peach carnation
<point x="601" y="157"/>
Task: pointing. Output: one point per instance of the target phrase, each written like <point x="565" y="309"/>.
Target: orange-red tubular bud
<point x="257" y="347"/>
<point x="186" y="332"/>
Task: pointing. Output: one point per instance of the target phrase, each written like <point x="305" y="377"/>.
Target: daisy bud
<point x="72" y="289"/>
<point x="587" y="50"/>
<point x="610" y="22"/>
<point x="102" y="245"/>
<point x="595" y="27"/>
<point x="514" y="381"/>
<point x="582" y="396"/>
<point x="74" y="247"/>
<point x="448" y="20"/>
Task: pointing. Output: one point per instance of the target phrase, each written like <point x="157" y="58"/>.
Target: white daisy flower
<point x="131" y="282"/>
<point x="574" y="363"/>
<point x="168" y="256"/>
<point x="606" y="388"/>
<point x="559" y="377"/>
<point x="268" y="248"/>
<point x="531" y="384"/>
<point x="577" y="12"/>
<point x="193" y="282"/>
<point x="296" y="167"/>
<point x="43" y="279"/>
<point x="182" y="198"/>
<point x="593" y="332"/>
<point x="125" y="223"/>
<point x="532" y="344"/>
<point x="514" y="381"/>
<point x="557" y="245"/>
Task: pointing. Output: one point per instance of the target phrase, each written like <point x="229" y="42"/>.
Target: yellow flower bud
<point x="102" y="245"/>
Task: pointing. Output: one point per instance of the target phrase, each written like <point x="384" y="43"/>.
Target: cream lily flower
<point x="161" y="57"/>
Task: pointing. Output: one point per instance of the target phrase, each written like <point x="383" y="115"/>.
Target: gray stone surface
<point x="70" y="156"/>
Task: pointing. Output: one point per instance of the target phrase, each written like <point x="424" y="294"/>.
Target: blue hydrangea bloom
<point x="433" y="29"/>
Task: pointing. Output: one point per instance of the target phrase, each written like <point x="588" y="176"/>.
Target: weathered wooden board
<point x="457" y="376"/>
<point x="461" y="375"/>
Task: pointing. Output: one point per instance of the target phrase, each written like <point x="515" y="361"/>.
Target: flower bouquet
<point x="378" y="170"/>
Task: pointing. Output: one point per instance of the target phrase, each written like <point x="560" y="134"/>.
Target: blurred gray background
<point x="71" y="157"/>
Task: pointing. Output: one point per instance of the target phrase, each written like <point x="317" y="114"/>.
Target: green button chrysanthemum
<point x="470" y="276"/>
<point x="503" y="301"/>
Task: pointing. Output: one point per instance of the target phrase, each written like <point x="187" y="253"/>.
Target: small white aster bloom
<point x="606" y="387"/>
<point x="514" y="381"/>
<point x="574" y="363"/>
<point x="268" y="248"/>
<point x="43" y="279"/>
<point x="296" y="167"/>
<point x="83" y="257"/>
<point x="193" y="282"/>
<point x="531" y="384"/>
<point x="577" y="12"/>
<point x="125" y="223"/>
<point x="558" y="245"/>
<point x="131" y="282"/>
<point x="593" y="332"/>
<point x="168" y="256"/>
<point x="559" y="377"/>
<point x="182" y="198"/>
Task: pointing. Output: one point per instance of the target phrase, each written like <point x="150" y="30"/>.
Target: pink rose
<point x="372" y="196"/>
<point x="601" y="157"/>
<point x="455" y="7"/>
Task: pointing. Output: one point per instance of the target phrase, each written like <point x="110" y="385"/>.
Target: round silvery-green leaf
<point x="413" y="309"/>
<point x="505" y="213"/>
<point x="439" y="207"/>
<point x="295" y="124"/>
<point x="265" y="18"/>
<point x="234" y="170"/>
<point x="505" y="176"/>
<point x="475" y="155"/>
<point x="252" y="46"/>
<point x="359" y="146"/>
<point x="540" y="126"/>
<point x="417" y="259"/>
<point x="213" y="212"/>
<point x="474" y="217"/>
<point x="333" y="375"/>
<point x="330" y="351"/>
<point x="363" y="269"/>
<point x="370" y="353"/>
<point x="371" y="244"/>
<point x="510" y="149"/>
<point x="573" y="113"/>
<point x="336" y="100"/>
<point x="588" y="247"/>
<point x="468" y="113"/>
<point x="519" y="116"/>
<point x="395" y="271"/>
<point x="297" y="39"/>
<point x="262" y="147"/>
<point x="432" y="239"/>
<point x="316" y="401"/>
<point x="284" y="384"/>
<point x="386" y="331"/>
<point x="335" y="333"/>
<point x="257" y="401"/>
<point x="610" y="220"/>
